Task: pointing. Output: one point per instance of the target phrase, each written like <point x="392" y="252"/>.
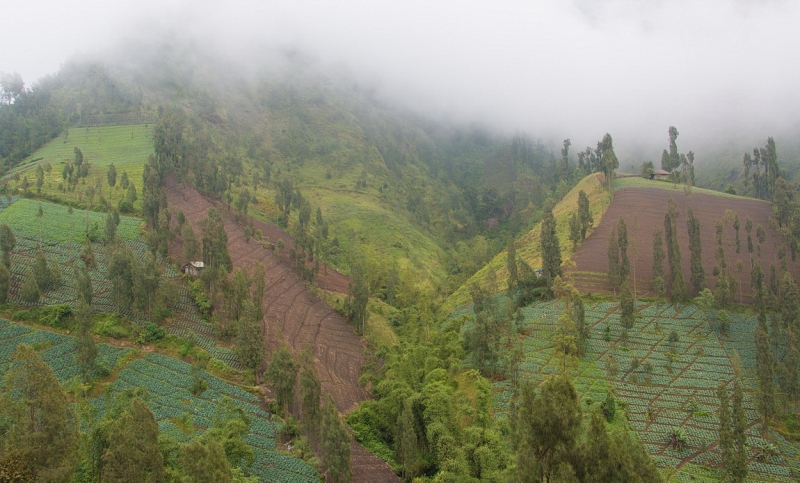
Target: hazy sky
<point x="575" y="68"/>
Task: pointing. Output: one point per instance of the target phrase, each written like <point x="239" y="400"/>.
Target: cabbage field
<point x="671" y="383"/>
<point x="167" y="382"/>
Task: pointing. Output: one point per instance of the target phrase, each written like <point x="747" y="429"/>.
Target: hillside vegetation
<point x="358" y="294"/>
<point x="528" y="246"/>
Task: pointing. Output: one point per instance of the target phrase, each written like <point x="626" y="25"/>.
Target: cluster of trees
<point x="30" y="117"/>
<point x="554" y="443"/>
<point x="765" y="170"/>
<point x="672" y="160"/>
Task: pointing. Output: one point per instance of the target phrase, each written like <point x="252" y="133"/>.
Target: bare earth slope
<point x="294" y="315"/>
<point x="649" y="206"/>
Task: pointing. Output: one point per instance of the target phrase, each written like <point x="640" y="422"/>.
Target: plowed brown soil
<point x="295" y="316"/>
<point x="649" y="206"/>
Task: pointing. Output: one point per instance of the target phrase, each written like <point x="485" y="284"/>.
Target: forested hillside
<point x="258" y="266"/>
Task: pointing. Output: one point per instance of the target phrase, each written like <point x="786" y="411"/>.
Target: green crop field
<point x="57" y="225"/>
<point x="662" y="391"/>
<point x="121" y="145"/>
<point x="127" y="146"/>
<point x="167" y="382"/>
<point x="21" y="216"/>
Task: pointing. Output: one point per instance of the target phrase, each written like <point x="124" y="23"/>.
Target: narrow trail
<point x="293" y="315"/>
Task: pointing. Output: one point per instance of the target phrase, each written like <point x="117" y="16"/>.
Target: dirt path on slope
<point x="294" y="315"/>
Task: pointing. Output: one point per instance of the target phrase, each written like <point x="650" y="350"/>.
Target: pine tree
<point x="133" y="454"/>
<point x="335" y="445"/>
<point x="203" y="460"/>
<point x="7" y="243"/>
<point x="580" y="326"/>
<point x="613" y="260"/>
<point x="511" y="264"/>
<point x="249" y="341"/>
<point x="406" y="441"/>
<point x="29" y="290"/>
<point x="622" y="240"/>
<point x="698" y="273"/>
<point x="627" y="307"/>
<point x="355" y="305"/>
<point x="574" y="230"/>
<point x="677" y="287"/>
<point x="766" y="392"/>
<point x="738" y="467"/>
<point x="584" y="213"/>
<point x="5" y="283"/>
<point x="41" y="272"/>
<point x="551" y="250"/>
<point x="87" y="349"/>
<point x="725" y="428"/>
<point x="282" y="374"/>
<point x="310" y="400"/>
<point x="546" y="426"/>
<point x="658" y="263"/>
<point x="39" y="421"/>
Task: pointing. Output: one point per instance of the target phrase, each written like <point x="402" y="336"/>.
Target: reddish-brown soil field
<point x="295" y="316"/>
<point x="649" y="206"/>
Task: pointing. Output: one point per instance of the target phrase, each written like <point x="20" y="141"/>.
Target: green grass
<point x="128" y="147"/>
<point x="681" y="392"/>
<point x="638" y="182"/>
<point x="57" y="225"/>
<point x="121" y="145"/>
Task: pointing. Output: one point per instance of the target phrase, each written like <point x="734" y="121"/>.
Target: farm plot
<point x="127" y="146"/>
<point x="56" y="225"/>
<point x="662" y="382"/>
<point x="186" y="321"/>
<point x="168" y="383"/>
<point x="58" y="351"/>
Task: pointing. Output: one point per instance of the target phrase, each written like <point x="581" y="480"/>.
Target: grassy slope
<point x="528" y="246"/>
<point x="128" y="147"/>
<point x="326" y="141"/>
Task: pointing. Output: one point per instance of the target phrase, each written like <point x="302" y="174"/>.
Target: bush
<point x="51" y="315"/>
<point x="151" y="333"/>
<point x="114" y="326"/>
<point x="199" y="296"/>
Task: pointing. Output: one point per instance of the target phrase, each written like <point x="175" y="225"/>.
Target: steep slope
<point x="297" y="317"/>
<point x="528" y="246"/>
<point x="643" y="210"/>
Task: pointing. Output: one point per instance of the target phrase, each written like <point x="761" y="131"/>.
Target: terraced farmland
<point x="661" y="391"/>
<point x="56" y="232"/>
<point x="167" y="382"/>
<point x="648" y="206"/>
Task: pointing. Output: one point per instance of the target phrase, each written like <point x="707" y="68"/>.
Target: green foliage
<point x="282" y="374"/>
<point x="132" y="453"/>
<point x="335" y="445"/>
<point x="551" y="250"/>
<point x="39" y="422"/>
<point x="249" y="341"/>
<point x="546" y="426"/>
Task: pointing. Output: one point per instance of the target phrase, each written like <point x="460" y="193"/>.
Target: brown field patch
<point x="649" y="206"/>
<point x="295" y="316"/>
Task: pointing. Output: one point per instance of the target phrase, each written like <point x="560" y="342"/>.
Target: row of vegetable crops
<point x="168" y="382"/>
<point x="665" y="372"/>
<point x="185" y="322"/>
